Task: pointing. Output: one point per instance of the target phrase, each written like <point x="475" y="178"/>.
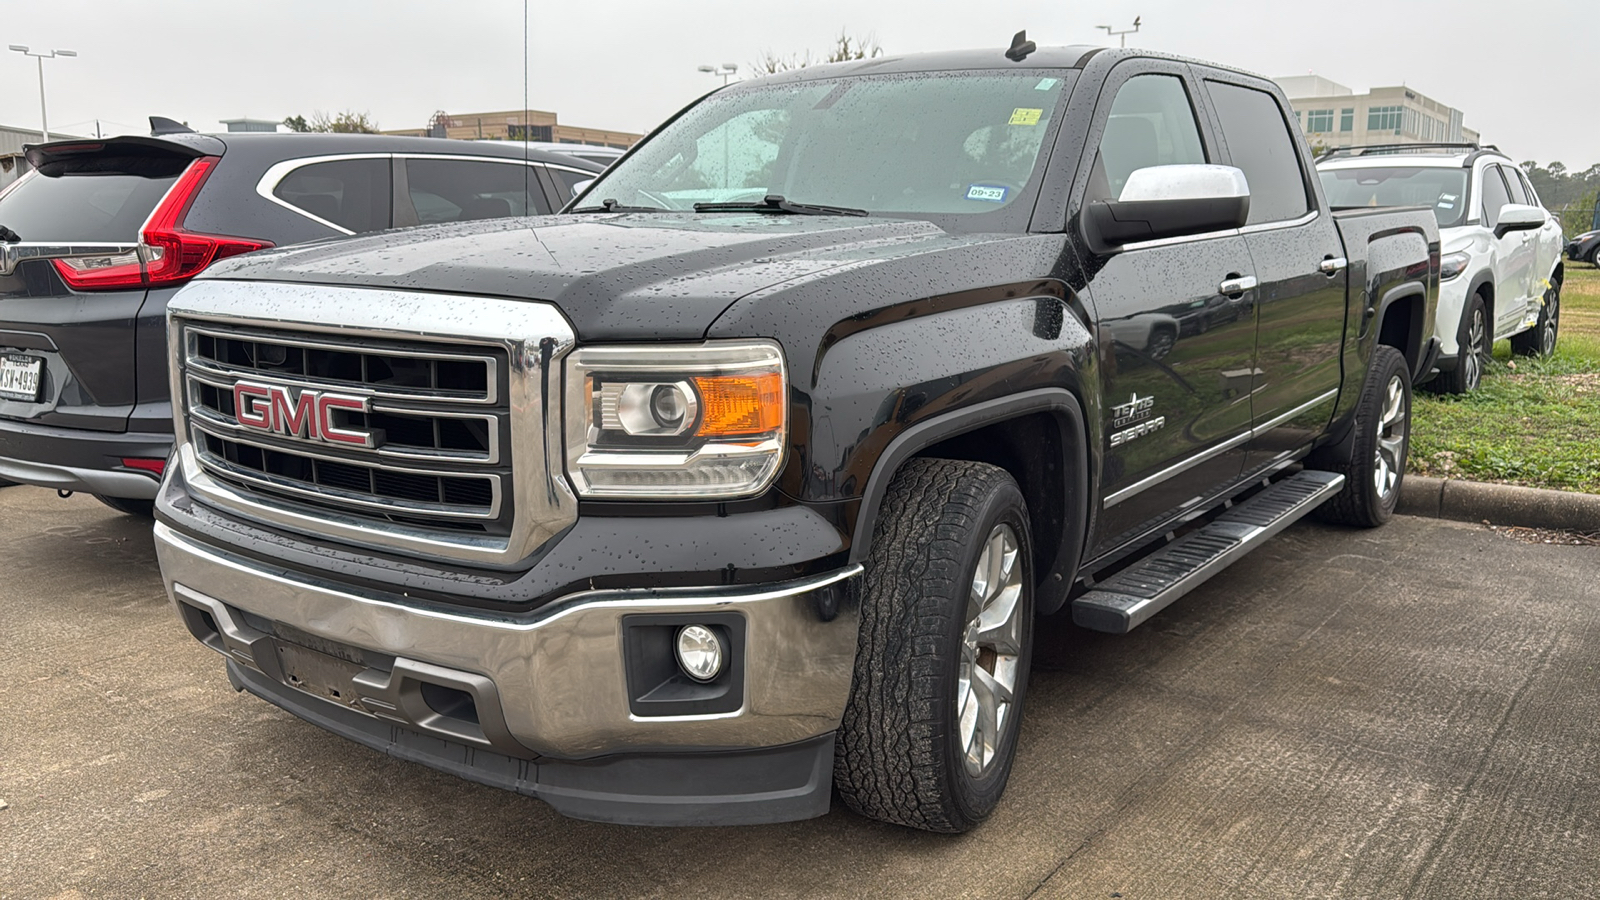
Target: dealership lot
<point x="1408" y="711"/>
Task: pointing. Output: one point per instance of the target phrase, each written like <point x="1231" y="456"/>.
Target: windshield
<point x="1443" y="190"/>
<point x="930" y="146"/>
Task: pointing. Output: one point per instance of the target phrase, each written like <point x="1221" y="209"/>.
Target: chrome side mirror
<point x="1169" y="201"/>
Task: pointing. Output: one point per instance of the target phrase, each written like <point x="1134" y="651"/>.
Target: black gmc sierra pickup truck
<point x="743" y="479"/>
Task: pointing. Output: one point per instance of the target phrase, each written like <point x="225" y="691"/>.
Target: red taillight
<point x="175" y="254"/>
<point x="157" y="466"/>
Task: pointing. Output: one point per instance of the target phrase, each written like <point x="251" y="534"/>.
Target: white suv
<point x="1501" y="267"/>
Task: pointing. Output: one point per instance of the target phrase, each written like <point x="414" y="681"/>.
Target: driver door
<point x="1175" y="316"/>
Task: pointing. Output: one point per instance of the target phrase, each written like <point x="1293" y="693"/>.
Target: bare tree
<point x="845" y="48"/>
<point x="347" y="122"/>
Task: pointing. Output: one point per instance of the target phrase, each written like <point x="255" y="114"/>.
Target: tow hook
<point x="64" y="494"/>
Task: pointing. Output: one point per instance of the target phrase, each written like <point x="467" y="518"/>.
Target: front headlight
<point x="1453" y="264"/>
<point x="676" y="421"/>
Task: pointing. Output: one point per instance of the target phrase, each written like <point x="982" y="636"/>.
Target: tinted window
<point x="82" y="206"/>
<point x="1151" y="124"/>
<point x="1260" y="142"/>
<point x="1495" y="195"/>
<point x="1432" y="186"/>
<point x="453" y="190"/>
<point x="569" y="180"/>
<point x="1527" y="187"/>
<point x="351" y="193"/>
<point x="1518" y="193"/>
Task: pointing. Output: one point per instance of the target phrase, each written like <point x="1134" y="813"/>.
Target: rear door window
<point x="1518" y="193"/>
<point x="454" y="190"/>
<point x="569" y="180"/>
<point x="1261" y="144"/>
<point x="1495" y="195"/>
<point x="83" y="206"/>
<point x="1527" y="187"/>
<point x="354" y="194"/>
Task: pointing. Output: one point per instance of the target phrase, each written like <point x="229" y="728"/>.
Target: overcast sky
<point x="1523" y="74"/>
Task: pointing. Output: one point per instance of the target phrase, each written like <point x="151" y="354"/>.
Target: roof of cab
<point x="940" y="61"/>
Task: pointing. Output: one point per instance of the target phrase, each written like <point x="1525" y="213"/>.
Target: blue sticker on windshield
<point x="989" y="193"/>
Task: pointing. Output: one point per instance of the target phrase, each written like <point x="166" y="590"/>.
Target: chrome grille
<point x="416" y="395"/>
<point x="446" y="418"/>
<point x="401" y="372"/>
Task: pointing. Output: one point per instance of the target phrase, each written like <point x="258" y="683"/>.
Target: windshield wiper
<point x="776" y="203"/>
<point x="613" y="206"/>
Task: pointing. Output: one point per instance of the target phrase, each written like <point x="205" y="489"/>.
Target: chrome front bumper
<point x="552" y="684"/>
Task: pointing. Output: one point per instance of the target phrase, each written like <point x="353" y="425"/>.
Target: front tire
<point x="1377" y="465"/>
<point x="1540" y="342"/>
<point x="930" y="731"/>
<point x="1474" y="345"/>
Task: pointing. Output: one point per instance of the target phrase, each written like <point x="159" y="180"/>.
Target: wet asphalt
<point x="1407" y="712"/>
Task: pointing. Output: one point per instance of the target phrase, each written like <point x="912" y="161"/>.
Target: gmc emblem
<point x="267" y="407"/>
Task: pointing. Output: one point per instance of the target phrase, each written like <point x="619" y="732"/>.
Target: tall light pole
<point x="1123" y="34"/>
<point x="44" y="117"/>
<point x="726" y="70"/>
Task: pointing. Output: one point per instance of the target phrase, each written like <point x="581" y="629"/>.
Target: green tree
<point x="297" y="124"/>
<point x="845" y="48"/>
<point x="1578" y="217"/>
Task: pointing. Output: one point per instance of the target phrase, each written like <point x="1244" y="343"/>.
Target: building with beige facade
<point x="517" y="125"/>
<point x="1334" y="116"/>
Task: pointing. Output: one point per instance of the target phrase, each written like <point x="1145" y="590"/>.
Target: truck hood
<point x="615" y="276"/>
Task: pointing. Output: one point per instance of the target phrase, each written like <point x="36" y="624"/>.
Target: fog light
<point x="700" y="652"/>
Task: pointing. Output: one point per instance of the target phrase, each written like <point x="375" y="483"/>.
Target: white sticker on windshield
<point x="1046" y="84"/>
<point x="989" y="193"/>
<point x="1446" y="205"/>
<point x="1449" y="197"/>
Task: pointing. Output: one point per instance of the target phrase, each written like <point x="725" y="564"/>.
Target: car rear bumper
<point x="70" y="459"/>
<point x="562" y="704"/>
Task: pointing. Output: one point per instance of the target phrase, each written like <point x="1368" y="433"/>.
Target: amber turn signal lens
<point x="740" y="404"/>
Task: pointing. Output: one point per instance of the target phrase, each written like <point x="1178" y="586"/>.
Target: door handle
<point x="1333" y="264"/>
<point x="1234" y="286"/>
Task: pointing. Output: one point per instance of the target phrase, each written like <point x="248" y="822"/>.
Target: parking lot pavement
<point x="1403" y="712"/>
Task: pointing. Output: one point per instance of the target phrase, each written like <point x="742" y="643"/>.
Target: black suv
<point x="98" y="237"/>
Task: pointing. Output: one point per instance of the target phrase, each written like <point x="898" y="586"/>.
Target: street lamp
<point x="726" y="70"/>
<point x="44" y="118"/>
<point x="1123" y="34"/>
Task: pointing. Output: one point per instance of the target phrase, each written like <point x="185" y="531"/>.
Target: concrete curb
<point x="1500" y="504"/>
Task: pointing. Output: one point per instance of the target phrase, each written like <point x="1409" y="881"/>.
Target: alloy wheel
<point x="1391" y="439"/>
<point x="1552" y="318"/>
<point x="1473" y="358"/>
<point x="991" y="651"/>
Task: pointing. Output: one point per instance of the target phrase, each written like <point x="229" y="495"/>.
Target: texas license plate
<point x="19" y="377"/>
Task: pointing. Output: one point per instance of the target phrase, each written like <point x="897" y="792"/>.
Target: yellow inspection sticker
<point x="1022" y="116"/>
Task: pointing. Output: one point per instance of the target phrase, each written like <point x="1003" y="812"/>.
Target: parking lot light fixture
<point x="726" y="70"/>
<point x="41" y="56"/>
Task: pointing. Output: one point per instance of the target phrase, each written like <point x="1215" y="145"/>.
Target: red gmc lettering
<point x="309" y="415"/>
<point x="246" y="410"/>
<point x="330" y="432"/>
<point x="297" y="421"/>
